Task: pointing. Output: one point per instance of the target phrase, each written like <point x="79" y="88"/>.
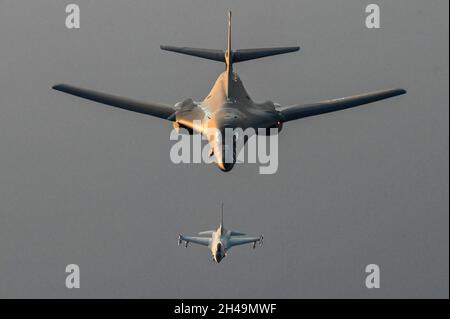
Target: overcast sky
<point x="86" y="184"/>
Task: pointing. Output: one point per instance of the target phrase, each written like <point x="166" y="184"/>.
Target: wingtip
<point x="294" y="49"/>
<point x="399" y="91"/>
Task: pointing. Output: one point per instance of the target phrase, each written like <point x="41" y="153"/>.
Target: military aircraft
<point x="228" y="104"/>
<point x="220" y="240"/>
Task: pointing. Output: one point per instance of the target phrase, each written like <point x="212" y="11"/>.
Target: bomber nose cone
<point x="218" y="258"/>
<point x="225" y="167"/>
<point x="226" y="157"/>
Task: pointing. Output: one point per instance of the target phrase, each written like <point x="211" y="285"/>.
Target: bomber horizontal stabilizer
<point x="210" y="54"/>
<point x="237" y="55"/>
<point x="251" y="54"/>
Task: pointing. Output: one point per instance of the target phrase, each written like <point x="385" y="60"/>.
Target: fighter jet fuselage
<point x="220" y="241"/>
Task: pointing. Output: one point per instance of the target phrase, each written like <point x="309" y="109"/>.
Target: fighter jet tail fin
<point x="206" y="233"/>
<point x="221" y="215"/>
<point x="236" y="233"/>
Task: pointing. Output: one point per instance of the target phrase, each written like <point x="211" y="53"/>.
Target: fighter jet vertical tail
<point x="221" y="217"/>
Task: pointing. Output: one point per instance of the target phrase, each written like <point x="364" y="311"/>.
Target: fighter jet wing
<point x="295" y="112"/>
<point x="196" y="240"/>
<point x="236" y="241"/>
<point x="159" y="110"/>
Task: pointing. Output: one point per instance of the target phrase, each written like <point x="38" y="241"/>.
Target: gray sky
<point x="86" y="184"/>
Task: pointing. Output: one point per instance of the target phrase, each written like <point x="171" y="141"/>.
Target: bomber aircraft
<point x="228" y="105"/>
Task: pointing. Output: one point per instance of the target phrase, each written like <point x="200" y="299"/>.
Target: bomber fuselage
<point x="227" y="106"/>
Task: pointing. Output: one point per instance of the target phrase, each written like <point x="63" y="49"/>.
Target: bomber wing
<point x="162" y="111"/>
<point x="295" y="112"/>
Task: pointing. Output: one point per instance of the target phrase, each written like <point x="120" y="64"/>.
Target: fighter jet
<point x="228" y="105"/>
<point x="220" y="240"/>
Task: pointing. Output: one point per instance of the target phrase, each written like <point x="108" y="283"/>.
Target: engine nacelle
<point x="180" y="129"/>
<point x="278" y="126"/>
<point x="187" y="104"/>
